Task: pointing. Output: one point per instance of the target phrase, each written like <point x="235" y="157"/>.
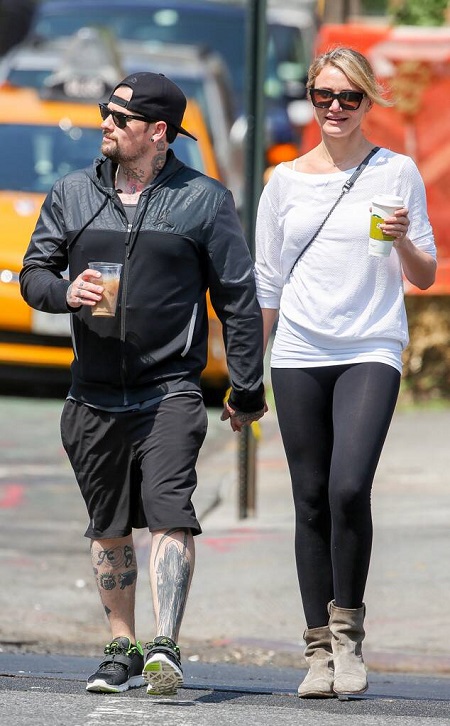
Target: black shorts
<point x="136" y="468"/>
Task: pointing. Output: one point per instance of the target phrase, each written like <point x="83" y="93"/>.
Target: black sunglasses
<point x="348" y="100"/>
<point x="120" y="119"/>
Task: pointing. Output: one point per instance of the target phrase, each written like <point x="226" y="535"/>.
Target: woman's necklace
<point x="346" y="161"/>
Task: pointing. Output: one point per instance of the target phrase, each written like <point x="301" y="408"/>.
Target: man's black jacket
<point x="185" y="238"/>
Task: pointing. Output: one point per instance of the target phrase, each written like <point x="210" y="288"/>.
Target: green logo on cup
<point x="376" y="232"/>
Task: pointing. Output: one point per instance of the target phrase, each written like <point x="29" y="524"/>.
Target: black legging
<point x="333" y="422"/>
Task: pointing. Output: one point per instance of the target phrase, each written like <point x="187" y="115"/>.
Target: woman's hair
<point x="357" y="69"/>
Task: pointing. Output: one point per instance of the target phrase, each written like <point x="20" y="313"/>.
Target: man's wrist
<point x="247" y="402"/>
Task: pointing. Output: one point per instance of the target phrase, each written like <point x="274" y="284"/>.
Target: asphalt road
<point x="214" y="695"/>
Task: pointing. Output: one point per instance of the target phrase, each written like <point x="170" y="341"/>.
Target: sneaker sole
<point x="162" y="675"/>
<point x="101" y="686"/>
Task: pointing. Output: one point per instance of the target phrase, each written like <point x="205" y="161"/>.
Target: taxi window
<point x="188" y="151"/>
<point x="28" y="78"/>
<point x="194" y="88"/>
<point x="286" y="61"/>
<point x="34" y="157"/>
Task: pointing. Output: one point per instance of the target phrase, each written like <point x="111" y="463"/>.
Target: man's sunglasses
<point x="348" y="100"/>
<point x="120" y="119"/>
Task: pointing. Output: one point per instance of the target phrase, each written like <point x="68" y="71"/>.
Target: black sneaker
<point x="120" y="670"/>
<point x="162" y="669"/>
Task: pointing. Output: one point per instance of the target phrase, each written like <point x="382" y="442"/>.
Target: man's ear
<point x="159" y="131"/>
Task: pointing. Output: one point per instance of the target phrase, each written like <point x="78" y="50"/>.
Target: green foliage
<point x="418" y="12"/>
<point x="374" y="7"/>
<point x="426" y="371"/>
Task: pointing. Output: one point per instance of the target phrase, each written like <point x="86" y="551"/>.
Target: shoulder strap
<point x="345" y="189"/>
<point x="348" y="184"/>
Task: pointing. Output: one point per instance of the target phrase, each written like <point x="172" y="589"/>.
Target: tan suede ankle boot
<point x="347" y="631"/>
<point x="318" y="682"/>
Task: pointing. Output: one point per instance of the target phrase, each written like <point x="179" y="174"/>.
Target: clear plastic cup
<point x="110" y="280"/>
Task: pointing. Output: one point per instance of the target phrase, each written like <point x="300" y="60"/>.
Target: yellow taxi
<point x="42" y="140"/>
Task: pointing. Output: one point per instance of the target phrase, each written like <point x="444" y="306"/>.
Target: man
<point x="134" y="419"/>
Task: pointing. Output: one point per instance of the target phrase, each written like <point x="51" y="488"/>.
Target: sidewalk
<point x="241" y="638"/>
<point x="244" y="607"/>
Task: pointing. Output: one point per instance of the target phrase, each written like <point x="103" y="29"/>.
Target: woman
<point x="336" y="358"/>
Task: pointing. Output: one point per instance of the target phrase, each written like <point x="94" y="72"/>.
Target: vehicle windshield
<point x="34" y="157"/>
<point x="215" y="28"/>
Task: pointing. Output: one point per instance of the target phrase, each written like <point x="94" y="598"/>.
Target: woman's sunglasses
<point x="348" y="100"/>
<point x="120" y="119"/>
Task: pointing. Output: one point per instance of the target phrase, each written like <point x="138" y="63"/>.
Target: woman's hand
<point x="396" y="226"/>
<point x="418" y="266"/>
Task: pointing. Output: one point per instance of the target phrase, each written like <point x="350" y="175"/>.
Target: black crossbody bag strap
<point x="345" y="189"/>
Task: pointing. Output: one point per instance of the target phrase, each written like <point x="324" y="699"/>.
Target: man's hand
<point x="83" y="290"/>
<point x="239" y="419"/>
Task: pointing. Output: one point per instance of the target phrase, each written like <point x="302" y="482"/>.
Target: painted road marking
<point x="11" y="495"/>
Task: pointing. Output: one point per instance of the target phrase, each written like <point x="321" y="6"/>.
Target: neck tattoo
<point x="133" y="181"/>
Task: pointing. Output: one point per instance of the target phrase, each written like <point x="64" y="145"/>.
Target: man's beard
<point x="112" y="151"/>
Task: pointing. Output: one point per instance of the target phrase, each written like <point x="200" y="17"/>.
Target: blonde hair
<point x="355" y="66"/>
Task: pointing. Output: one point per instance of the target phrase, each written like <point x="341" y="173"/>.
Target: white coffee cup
<point x="383" y="206"/>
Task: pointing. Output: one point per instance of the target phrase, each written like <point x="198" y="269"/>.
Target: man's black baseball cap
<point x="156" y="97"/>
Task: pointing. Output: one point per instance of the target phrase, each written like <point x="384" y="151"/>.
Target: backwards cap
<point x="156" y="97"/>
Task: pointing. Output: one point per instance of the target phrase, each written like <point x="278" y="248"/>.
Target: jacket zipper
<point x="123" y="309"/>
<point x="132" y="233"/>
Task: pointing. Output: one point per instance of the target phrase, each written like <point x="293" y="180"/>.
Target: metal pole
<point x="254" y="170"/>
<point x="338" y="11"/>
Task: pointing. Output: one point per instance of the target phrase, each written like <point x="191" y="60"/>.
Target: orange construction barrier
<point x="413" y="64"/>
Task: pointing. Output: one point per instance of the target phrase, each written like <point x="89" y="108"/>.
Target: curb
<point x="291" y="655"/>
<point x="408" y="663"/>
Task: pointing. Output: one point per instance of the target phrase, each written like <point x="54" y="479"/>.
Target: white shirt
<point x="339" y="305"/>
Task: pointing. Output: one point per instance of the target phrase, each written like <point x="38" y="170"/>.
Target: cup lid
<point x="388" y="200"/>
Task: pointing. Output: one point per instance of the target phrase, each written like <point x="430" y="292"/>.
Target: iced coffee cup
<point x="110" y="280"/>
<point x="383" y="206"/>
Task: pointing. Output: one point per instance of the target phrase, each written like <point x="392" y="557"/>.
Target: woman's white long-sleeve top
<point x="339" y="305"/>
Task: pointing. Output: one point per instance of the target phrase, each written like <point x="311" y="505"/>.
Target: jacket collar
<point x="105" y="171"/>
